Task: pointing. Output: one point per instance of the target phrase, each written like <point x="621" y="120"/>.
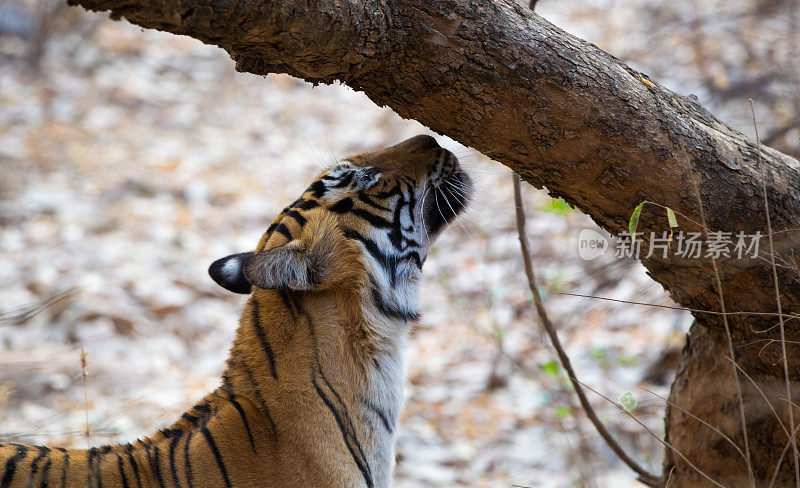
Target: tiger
<point x="313" y="383"/>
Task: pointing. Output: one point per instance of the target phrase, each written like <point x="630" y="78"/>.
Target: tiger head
<point x="370" y="219"/>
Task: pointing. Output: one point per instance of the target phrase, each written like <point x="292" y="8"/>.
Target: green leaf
<point x="551" y="368"/>
<point x="626" y="360"/>
<point x="563" y="411"/>
<point x="557" y="206"/>
<point x="673" y="222"/>
<point x="598" y="354"/>
<point x="628" y="402"/>
<point x="634" y="222"/>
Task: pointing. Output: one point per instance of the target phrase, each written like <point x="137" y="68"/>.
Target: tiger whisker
<point x="461" y="198"/>
<point x="422" y="214"/>
<point x="436" y="196"/>
<point x="460" y="222"/>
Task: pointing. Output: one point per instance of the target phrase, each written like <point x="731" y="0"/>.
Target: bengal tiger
<point x="313" y="384"/>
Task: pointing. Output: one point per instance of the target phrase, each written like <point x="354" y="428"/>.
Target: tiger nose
<point x="420" y="143"/>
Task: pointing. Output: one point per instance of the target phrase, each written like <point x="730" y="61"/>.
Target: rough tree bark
<point x="567" y="116"/>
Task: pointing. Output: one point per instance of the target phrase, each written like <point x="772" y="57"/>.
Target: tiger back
<point x="313" y="385"/>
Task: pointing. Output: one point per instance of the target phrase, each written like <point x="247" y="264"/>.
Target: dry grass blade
<point x="778" y="300"/>
<point x="671" y="307"/>
<point x="644" y="476"/>
<point x="56" y="302"/>
<point x="718" y="283"/>
<point x="85" y="374"/>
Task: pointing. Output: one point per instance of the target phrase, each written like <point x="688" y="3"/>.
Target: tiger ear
<point x="228" y="272"/>
<point x="301" y="264"/>
<point x="280" y="268"/>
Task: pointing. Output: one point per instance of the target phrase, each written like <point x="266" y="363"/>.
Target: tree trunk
<point x="567" y="116"/>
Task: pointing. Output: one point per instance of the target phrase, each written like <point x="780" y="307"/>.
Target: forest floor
<point x="132" y="159"/>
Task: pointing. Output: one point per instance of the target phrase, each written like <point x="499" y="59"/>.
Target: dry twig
<point x="644" y="476"/>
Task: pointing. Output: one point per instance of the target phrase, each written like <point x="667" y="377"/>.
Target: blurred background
<point x="131" y="159"/>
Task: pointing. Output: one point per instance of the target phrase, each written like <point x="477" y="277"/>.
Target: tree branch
<point x="495" y="76"/>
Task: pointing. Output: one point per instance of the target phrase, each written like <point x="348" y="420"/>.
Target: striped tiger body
<point x="313" y="385"/>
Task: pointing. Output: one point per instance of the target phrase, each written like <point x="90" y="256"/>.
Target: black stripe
<point x="155" y="462"/>
<point x="317" y="188"/>
<point x="288" y="304"/>
<point x="35" y="463"/>
<point x="388" y="193"/>
<point x="11" y="466"/>
<point x="121" y="468"/>
<point x="91" y="475"/>
<point x="89" y="468"/>
<point x="283" y="230"/>
<point x="64" y="470"/>
<point x="375" y="220"/>
<point x="346" y="434"/>
<point x="390" y="311"/>
<point x="173" y="443"/>
<point x="346" y="416"/>
<point x="239" y="409"/>
<point x="277" y="219"/>
<point x="396" y="234"/>
<point x="213" y="445"/>
<point x="304" y="204"/>
<point x="227" y="384"/>
<point x="387" y="261"/>
<point x="381" y="415"/>
<point x="412" y="202"/>
<point x="412" y="243"/>
<point x="157" y="457"/>
<point x="342" y="206"/>
<point x="296" y="216"/>
<point x="187" y="461"/>
<point x="340" y="414"/>
<point x="262" y="338"/>
<point x="260" y="397"/>
<point x="345" y="181"/>
<point x="191" y="418"/>
<point x="134" y="464"/>
<point x="203" y="407"/>
<point x="96" y="474"/>
<point x="45" y="473"/>
<point x="369" y="201"/>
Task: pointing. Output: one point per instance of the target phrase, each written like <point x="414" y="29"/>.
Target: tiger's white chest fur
<point x="383" y="392"/>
